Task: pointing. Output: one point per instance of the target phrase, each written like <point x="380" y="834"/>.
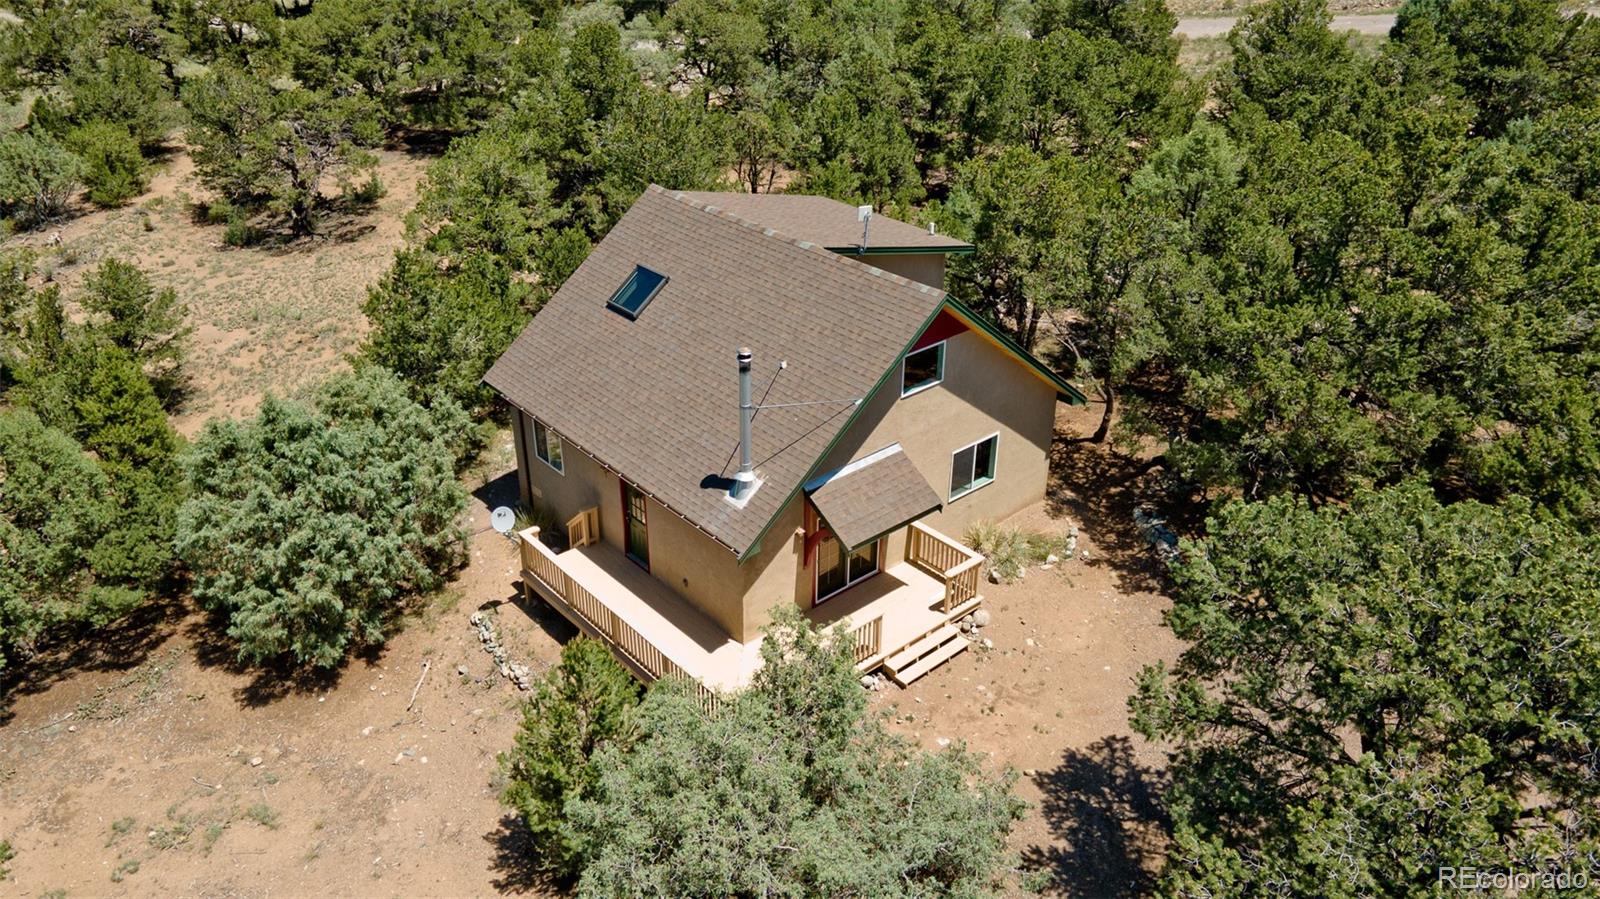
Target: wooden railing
<point x="541" y="563"/>
<point x="946" y="560"/>
<point x="869" y="639"/>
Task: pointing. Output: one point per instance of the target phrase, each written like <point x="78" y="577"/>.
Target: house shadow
<point x="1100" y="804"/>
<point x="501" y="491"/>
<point x="515" y="863"/>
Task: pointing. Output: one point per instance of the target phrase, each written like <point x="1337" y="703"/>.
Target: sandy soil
<point x="146" y="763"/>
<point x="272" y="317"/>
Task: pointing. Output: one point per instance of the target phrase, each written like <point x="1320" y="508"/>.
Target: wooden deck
<point x="658" y="633"/>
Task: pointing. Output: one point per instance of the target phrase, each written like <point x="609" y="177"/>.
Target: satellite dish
<point x="502" y="519"/>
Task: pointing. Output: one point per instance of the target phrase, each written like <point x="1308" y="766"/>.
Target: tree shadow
<point x="515" y="862"/>
<point x="120" y="646"/>
<point x="1101" y="805"/>
<point x="271" y="682"/>
<point x="1099" y="488"/>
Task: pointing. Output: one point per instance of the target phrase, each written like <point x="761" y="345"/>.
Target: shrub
<point x="440" y="328"/>
<point x="114" y="171"/>
<point x="57" y="511"/>
<point x="310" y="526"/>
<point x="136" y="317"/>
<point x="121" y="88"/>
<point x="38" y="177"/>
<point x="582" y="704"/>
<point x="1007" y="551"/>
<point x="788" y="788"/>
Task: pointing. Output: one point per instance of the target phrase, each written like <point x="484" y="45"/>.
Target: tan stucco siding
<point x="582" y="484"/>
<point x="698" y="568"/>
<point x="923" y="268"/>
<point x="775" y="575"/>
<point x="985" y="391"/>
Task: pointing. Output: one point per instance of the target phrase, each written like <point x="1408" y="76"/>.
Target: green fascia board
<point x="966" y="250"/>
<point x="1067" y="392"/>
<point x="1063" y="389"/>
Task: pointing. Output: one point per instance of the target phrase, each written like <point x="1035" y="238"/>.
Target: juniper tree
<point x="311" y="526"/>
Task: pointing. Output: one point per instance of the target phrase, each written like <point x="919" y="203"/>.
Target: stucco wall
<point x="924" y="268"/>
<point x="985" y="391"/>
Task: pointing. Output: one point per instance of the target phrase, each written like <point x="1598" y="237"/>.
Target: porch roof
<point x="872" y="496"/>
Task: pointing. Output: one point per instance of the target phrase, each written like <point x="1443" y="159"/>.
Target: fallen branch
<point x="426" y="664"/>
<point x="52" y="723"/>
<point x="206" y="785"/>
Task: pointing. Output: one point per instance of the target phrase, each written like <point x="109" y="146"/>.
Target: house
<point x="740" y="402"/>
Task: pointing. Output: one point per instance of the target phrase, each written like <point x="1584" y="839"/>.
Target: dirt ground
<point x="148" y="764"/>
<point x="269" y="317"/>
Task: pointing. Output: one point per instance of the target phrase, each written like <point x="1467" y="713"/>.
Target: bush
<point x="57" y="515"/>
<point x="440" y="328"/>
<point x="136" y="317"/>
<point x="114" y="170"/>
<point x="38" y="177"/>
<point x="789" y="788"/>
<point x="121" y="88"/>
<point x="310" y="526"/>
<point x="1007" y="551"/>
<point x="582" y="704"/>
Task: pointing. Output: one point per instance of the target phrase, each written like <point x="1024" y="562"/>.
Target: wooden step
<point x="923" y="645"/>
<point x="932" y="660"/>
<point x="926" y="654"/>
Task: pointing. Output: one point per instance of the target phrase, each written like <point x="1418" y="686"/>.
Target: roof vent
<point x="637" y="292"/>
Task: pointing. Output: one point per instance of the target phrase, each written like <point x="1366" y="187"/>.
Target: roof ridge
<point x="768" y="231"/>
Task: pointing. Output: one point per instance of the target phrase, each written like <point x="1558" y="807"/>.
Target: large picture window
<point x="973" y="466"/>
<point x="922" y="369"/>
<point x="547" y="446"/>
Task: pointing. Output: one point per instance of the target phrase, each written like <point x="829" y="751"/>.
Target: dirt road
<point x="1219" y="26"/>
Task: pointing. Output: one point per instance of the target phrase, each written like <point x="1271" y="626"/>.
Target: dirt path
<point x="1219" y="26"/>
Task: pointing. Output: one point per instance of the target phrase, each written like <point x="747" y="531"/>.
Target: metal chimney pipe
<point x="745" y="479"/>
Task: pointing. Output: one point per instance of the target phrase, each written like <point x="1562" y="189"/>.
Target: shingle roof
<point x="873" y="496"/>
<point x="830" y="223"/>
<point x="656" y="399"/>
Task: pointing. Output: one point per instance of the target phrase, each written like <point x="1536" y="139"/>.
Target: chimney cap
<point x="745" y="355"/>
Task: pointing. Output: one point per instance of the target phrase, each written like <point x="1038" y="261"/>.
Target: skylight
<point x="637" y="292"/>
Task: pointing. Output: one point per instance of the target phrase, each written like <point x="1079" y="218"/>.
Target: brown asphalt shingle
<point x="657" y="399"/>
<point x="870" y="501"/>
<point x="824" y="221"/>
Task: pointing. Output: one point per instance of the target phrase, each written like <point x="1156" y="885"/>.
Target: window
<point x="637" y="292"/>
<point x="547" y="446"/>
<point x="923" y="369"/>
<point x="972" y="467"/>
<point x="837" y="569"/>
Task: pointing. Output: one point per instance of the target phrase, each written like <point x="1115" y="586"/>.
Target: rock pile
<point x="521" y="675"/>
<point x="1156" y="534"/>
<point x="972" y="626"/>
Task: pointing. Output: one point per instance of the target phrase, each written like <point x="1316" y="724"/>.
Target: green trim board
<point x="965" y="250"/>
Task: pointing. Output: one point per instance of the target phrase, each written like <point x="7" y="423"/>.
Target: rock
<point x="981" y="618"/>
<point x="1021" y="572"/>
<point x="72" y="728"/>
<point x="462" y="670"/>
<point x="1028" y="772"/>
<point x="994" y="576"/>
<point x="1046" y="566"/>
<point x="366" y="731"/>
<point x="987" y="643"/>
<point x="255" y="761"/>
<point x="398" y="758"/>
<point x="1029" y="641"/>
<point x="1051" y="559"/>
<point x="943" y="742"/>
<point x="869" y="682"/>
<point x="1084" y="555"/>
<point x="423" y="760"/>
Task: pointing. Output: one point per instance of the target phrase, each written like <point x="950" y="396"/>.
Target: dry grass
<point x="266" y="318"/>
